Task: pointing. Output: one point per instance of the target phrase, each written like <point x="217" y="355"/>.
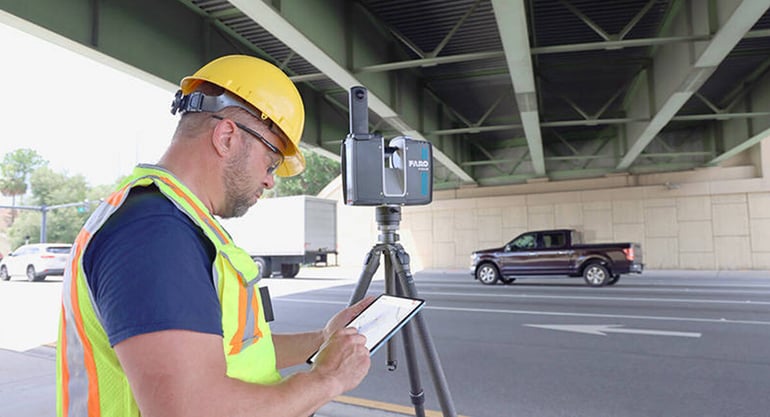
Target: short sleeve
<point x="150" y="269"/>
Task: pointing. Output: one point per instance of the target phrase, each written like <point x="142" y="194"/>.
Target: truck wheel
<point x="596" y="275"/>
<point x="487" y="274"/>
<point x="507" y="281"/>
<point x="4" y="273"/>
<point x="289" y="270"/>
<point x="613" y="280"/>
<point x="265" y="269"/>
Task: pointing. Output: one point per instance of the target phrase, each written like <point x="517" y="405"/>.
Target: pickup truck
<point x="556" y="252"/>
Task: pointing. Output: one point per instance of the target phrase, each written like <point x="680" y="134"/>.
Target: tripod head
<point x="388" y="218"/>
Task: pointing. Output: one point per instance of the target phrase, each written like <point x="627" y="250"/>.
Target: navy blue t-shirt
<point x="149" y="268"/>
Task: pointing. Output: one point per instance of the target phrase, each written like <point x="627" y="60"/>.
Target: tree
<point x="17" y="166"/>
<point x="319" y="171"/>
<point x="50" y="188"/>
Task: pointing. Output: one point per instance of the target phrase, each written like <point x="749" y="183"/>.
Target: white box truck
<point x="282" y="233"/>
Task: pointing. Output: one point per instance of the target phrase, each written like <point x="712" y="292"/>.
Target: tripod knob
<point x="392" y="365"/>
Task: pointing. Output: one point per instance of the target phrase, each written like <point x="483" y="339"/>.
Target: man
<point x="161" y="314"/>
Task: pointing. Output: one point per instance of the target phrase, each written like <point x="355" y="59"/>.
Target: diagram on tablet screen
<point x="377" y="321"/>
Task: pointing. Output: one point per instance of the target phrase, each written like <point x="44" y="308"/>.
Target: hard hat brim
<point x="293" y="164"/>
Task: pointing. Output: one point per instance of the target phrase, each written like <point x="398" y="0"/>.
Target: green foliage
<point x="63" y="226"/>
<point x="319" y="171"/>
<point x="27" y="225"/>
<point x="16" y="168"/>
<point x="50" y="188"/>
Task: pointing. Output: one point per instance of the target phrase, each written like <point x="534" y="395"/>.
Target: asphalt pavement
<point x="664" y="343"/>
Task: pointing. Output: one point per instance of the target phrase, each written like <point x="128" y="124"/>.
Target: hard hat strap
<point x="196" y="102"/>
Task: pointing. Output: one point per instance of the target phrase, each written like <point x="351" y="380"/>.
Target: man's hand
<point x="345" y="316"/>
<point x="293" y="349"/>
<point x="344" y="359"/>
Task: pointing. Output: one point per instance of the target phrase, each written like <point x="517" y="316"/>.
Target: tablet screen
<point x="382" y="319"/>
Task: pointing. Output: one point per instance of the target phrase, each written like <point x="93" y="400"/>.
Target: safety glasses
<point x="271" y="169"/>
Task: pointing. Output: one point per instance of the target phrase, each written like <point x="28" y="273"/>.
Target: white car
<point x="35" y="261"/>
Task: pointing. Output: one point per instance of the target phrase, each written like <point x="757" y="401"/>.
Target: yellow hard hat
<point x="268" y="89"/>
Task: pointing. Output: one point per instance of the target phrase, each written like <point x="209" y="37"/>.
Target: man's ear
<point x="223" y="137"/>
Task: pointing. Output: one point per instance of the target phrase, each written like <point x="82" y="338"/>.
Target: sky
<point x="79" y="114"/>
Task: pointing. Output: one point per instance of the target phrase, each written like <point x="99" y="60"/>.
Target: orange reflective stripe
<point x="65" y="372"/>
<point x="236" y="343"/>
<point x="203" y="215"/>
<point x="115" y="198"/>
<point x="89" y="361"/>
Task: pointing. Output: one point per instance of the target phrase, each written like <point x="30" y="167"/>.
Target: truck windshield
<point x="523" y="242"/>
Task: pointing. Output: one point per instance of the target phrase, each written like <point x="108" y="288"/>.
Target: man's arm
<point x="294" y="349"/>
<point x="175" y="373"/>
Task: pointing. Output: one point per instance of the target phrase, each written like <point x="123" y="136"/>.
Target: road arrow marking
<point x="603" y="329"/>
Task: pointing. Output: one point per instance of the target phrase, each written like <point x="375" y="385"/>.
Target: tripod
<point x="399" y="281"/>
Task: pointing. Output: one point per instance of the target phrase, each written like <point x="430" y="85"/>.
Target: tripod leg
<point x="417" y="394"/>
<point x="371" y="263"/>
<point x="406" y="280"/>
<point x="390" y="288"/>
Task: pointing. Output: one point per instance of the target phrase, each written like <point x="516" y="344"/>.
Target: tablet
<point x="382" y="319"/>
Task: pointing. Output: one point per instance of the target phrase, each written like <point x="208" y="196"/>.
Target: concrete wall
<point x="711" y="218"/>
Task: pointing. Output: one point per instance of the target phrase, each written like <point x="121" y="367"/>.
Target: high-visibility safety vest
<point x="89" y="378"/>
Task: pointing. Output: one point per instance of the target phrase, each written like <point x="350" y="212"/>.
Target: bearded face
<point x="239" y="187"/>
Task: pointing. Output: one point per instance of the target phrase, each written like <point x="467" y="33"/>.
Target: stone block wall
<point x="684" y="232"/>
<point x="717" y="218"/>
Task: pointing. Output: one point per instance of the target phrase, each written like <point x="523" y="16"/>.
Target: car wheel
<point x="487" y="274"/>
<point x="613" y="280"/>
<point x="4" y="273"/>
<point x="31" y="274"/>
<point x="507" y="281"/>
<point x="596" y="275"/>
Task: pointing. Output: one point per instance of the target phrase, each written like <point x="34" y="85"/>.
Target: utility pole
<point x="44" y="209"/>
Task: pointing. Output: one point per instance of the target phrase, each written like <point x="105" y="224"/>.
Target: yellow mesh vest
<point x="89" y="378"/>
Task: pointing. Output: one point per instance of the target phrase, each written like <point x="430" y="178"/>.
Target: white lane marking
<point x="603" y="329"/>
<point x="555" y="283"/>
<point x="607" y="298"/>
<point x="721" y="320"/>
<point x="592" y="298"/>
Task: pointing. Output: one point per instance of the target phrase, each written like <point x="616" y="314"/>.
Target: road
<point x="662" y="344"/>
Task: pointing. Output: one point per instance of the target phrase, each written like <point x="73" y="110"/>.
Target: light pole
<point x="85" y="204"/>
